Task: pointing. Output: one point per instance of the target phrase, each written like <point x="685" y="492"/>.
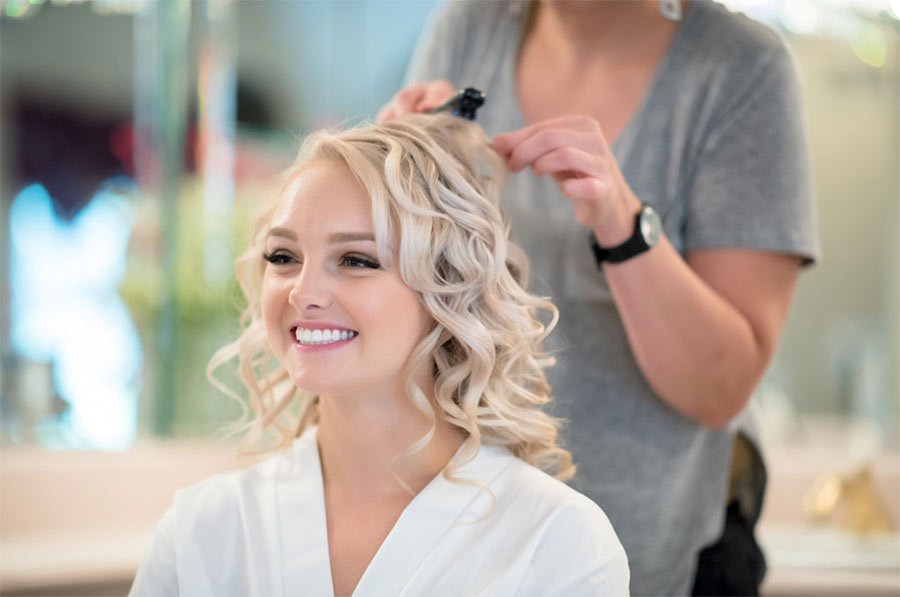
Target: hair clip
<point x="463" y="104"/>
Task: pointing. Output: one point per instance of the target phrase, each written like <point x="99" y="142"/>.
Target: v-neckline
<point x="621" y="144"/>
<point x="305" y="547"/>
<point x="381" y="546"/>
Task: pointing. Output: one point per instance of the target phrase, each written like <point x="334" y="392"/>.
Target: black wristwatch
<point x="647" y="229"/>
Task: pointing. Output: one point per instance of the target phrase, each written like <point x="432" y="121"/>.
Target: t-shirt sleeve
<point x="157" y="575"/>
<point x="750" y="186"/>
<point x="578" y="556"/>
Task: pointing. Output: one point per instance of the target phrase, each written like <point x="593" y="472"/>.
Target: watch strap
<point x="628" y="249"/>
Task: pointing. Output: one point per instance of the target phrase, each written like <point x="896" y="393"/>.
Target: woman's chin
<point x="315" y="384"/>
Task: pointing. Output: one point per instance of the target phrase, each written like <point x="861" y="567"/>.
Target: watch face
<point x="651" y="226"/>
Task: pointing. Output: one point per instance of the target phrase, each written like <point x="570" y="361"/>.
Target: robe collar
<point x="432" y="512"/>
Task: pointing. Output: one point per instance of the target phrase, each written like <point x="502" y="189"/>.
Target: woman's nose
<point x="311" y="290"/>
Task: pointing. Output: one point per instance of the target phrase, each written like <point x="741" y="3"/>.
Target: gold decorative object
<point x="853" y="498"/>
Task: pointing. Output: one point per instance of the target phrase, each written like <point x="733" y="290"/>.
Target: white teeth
<point x="307" y="336"/>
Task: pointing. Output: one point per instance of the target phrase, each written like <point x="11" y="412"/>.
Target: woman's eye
<point x="278" y="258"/>
<point x="358" y="261"/>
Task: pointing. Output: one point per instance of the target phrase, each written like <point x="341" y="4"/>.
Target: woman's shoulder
<point x="557" y="507"/>
<point x="247" y="476"/>
<point x="479" y="11"/>
<point x="468" y="26"/>
<point x="225" y="495"/>
<point x="554" y="493"/>
<point x="457" y="35"/>
<point x="725" y="60"/>
<point x="570" y="540"/>
<point x="732" y="35"/>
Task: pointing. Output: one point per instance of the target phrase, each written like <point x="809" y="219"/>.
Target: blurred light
<point x="822" y="498"/>
<point x="107" y="7"/>
<point x="65" y="310"/>
<point x="835" y="18"/>
<point x="801" y="16"/>
<point x="18" y="9"/>
<point x="869" y="45"/>
<point x="217" y="87"/>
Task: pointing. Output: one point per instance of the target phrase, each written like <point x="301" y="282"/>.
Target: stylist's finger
<point x="507" y="142"/>
<point x="419" y="97"/>
<point x="436" y="93"/>
<point x="522" y="148"/>
<point x="549" y="140"/>
<point x="567" y="162"/>
<point x="402" y="103"/>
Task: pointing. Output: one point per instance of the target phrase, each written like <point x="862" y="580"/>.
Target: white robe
<point x="261" y="532"/>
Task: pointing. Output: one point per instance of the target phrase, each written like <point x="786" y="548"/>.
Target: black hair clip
<point x="463" y="104"/>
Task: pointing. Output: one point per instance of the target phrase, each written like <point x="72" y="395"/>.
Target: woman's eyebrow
<point x="335" y="237"/>
<point x="346" y="237"/>
<point x="285" y="232"/>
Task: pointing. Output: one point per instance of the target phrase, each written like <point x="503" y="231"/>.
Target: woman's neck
<point x="361" y="439"/>
<point x="580" y="33"/>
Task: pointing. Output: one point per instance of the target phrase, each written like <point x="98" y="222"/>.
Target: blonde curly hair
<point x="435" y="184"/>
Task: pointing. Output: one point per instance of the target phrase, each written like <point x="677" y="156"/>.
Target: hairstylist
<point x="670" y="135"/>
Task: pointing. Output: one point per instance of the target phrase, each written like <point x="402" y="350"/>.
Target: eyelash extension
<point x="276" y="258"/>
<point x="369" y="263"/>
<point x="281" y="259"/>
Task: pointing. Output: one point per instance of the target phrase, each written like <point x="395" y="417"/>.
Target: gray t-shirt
<point x="718" y="148"/>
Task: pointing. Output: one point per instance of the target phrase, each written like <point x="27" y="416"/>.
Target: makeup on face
<point x="336" y="319"/>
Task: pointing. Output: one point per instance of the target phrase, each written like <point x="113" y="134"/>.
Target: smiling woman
<point x="407" y="394"/>
<point x="408" y="208"/>
<point x="339" y="323"/>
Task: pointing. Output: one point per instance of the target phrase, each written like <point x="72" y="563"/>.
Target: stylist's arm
<point x="704" y="328"/>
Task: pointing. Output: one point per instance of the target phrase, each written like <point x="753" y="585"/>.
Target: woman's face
<point x="337" y="321"/>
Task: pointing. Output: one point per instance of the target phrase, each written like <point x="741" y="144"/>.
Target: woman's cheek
<point x="270" y="303"/>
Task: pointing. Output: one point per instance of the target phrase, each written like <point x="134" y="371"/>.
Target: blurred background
<point x="138" y="138"/>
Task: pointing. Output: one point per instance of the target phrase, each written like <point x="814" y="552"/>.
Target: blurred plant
<point x="207" y="313"/>
<point x="200" y="304"/>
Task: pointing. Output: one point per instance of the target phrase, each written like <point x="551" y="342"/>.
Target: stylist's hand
<point x="573" y="150"/>
<point x="420" y="97"/>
